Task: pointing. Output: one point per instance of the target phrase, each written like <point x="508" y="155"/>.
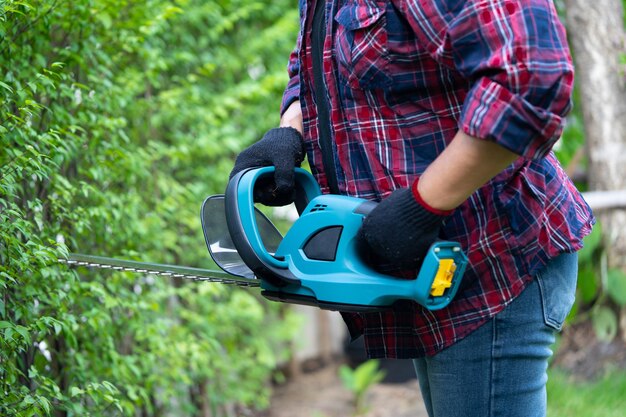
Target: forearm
<point x="292" y="117"/>
<point x="464" y="166"/>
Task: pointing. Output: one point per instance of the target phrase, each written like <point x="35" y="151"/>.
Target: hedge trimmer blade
<point x="174" y="271"/>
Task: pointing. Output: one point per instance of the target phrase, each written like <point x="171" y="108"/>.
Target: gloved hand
<point x="397" y="233"/>
<point x="283" y="148"/>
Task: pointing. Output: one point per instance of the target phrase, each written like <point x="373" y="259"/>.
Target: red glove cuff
<point x="424" y="204"/>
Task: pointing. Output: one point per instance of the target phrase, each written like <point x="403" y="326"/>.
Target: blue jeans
<point x="500" y="369"/>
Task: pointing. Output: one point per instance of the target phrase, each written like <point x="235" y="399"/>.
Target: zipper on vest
<point x="318" y="35"/>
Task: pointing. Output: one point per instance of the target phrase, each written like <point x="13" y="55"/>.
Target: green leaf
<point x="110" y="387"/>
<point x="45" y="404"/>
<point x="23" y="331"/>
<point x="6" y="87"/>
<point x="604" y="323"/>
<point x="616" y="286"/>
<point x="591" y="243"/>
<point x="23" y="3"/>
<point x="587" y="284"/>
<point x="57" y="327"/>
<point x="347" y="376"/>
<point x="105" y="19"/>
<point x="367" y="374"/>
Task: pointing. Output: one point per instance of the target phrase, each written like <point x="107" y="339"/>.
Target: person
<point x="447" y="113"/>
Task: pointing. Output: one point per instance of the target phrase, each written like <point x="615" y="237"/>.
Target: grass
<point x="605" y="397"/>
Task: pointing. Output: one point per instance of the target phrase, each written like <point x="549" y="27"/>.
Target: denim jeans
<point x="500" y="369"/>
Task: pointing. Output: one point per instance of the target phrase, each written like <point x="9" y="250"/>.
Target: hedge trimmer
<point x="318" y="262"/>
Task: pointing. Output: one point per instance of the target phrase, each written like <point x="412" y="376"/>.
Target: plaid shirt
<point x="402" y="77"/>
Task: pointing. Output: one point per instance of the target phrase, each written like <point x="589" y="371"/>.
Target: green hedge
<point x="117" y="118"/>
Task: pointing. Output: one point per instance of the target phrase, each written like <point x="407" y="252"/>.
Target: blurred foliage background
<point x="117" y="118"/>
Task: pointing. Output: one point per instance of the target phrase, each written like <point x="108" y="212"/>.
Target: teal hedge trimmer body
<point x="318" y="262"/>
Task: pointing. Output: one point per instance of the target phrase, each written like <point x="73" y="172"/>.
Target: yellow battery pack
<point x="443" y="278"/>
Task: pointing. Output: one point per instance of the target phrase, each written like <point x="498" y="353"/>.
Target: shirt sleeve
<point x="514" y="54"/>
<point x="292" y="91"/>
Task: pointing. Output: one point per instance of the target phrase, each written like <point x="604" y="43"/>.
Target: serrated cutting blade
<point x="175" y="271"/>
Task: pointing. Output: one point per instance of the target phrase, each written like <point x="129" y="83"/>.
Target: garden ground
<point x="320" y="392"/>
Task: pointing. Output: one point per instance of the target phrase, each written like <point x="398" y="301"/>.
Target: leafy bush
<point x="117" y="118"/>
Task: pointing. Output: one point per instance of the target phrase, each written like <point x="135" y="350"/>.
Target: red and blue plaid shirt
<point x="402" y="77"/>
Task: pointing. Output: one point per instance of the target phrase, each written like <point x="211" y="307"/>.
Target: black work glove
<point x="396" y="235"/>
<point x="283" y="148"/>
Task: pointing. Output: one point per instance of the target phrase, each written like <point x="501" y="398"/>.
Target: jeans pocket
<point x="557" y="287"/>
